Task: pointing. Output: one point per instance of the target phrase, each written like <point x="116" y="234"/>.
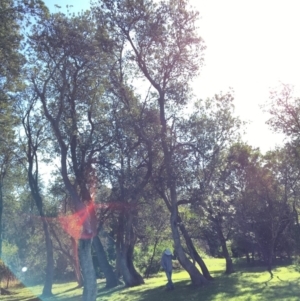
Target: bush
<point x="296" y="262"/>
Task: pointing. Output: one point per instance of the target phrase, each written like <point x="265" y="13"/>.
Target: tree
<point x="70" y="86"/>
<point x="265" y="198"/>
<point x="163" y="45"/>
<point x="13" y="14"/>
<point x="6" y="160"/>
<point x="206" y="137"/>
<point x="284" y="109"/>
<point x="34" y="128"/>
<point x="129" y="172"/>
<point x="21" y="248"/>
<point x="11" y="61"/>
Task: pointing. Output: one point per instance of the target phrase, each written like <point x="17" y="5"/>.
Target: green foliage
<point x="147" y="259"/>
<point x="10" y="262"/>
<point x="10" y="252"/>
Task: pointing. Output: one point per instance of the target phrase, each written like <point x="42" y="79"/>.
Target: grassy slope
<point x="245" y="284"/>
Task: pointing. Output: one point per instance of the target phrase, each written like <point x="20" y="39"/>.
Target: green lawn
<point x="246" y="284"/>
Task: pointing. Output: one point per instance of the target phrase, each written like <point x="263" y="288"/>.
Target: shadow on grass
<point x="103" y="291"/>
<point x="69" y="290"/>
<point x="249" y="283"/>
<point x="232" y="287"/>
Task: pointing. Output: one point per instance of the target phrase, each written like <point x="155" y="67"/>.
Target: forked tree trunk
<point x="87" y="268"/>
<point x="110" y="276"/>
<point x="196" y="277"/>
<point x="195" y="255"/>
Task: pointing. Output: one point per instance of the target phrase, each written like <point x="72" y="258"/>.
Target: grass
<point x="246" y="284"/>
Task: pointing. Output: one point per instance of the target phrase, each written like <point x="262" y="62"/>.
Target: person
<point x="166" y="263"/>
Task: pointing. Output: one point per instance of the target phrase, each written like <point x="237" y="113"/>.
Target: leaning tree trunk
<point x="195" y="255"/>
<point x="130" y="275"/>
<point x="87" y="267"/>
<point x="148" y="269"/>
<point x="110" y="276"/>
<point x="196" y="277"/>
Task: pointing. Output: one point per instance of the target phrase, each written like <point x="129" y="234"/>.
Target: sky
<point x="252" y="46"/>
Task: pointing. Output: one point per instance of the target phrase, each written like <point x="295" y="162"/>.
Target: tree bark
<point x="87" y="267"/>
<point x="148" y="269"/>
<point x="130" y="275"/>
<point x="125" y="246"/>
<point x="110" y="276"/>
<point x="34" y="187"/>
<point x="1" y="213"/>
<point x="229" y="265"/>
<point x="195" y="255"/>
<point x="196" y="277"/>
<point x="47" y="290"/>
<point x="76" y="262"/>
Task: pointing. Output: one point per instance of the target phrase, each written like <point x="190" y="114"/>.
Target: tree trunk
<point x="7" y="281"/>
<point x="35" y="192"/>
<point x="268" y="257"/>
<point x="195" y="255"/>
<point x="125" y="246"/>
<point x="1" y="213"/>
<point x="148" y="269"/>
<point x="229" y="264"/>
<point x="76" y="262"/>
<point x="47" y="290"/>
<point x="130" y="275"/>
<point x="196" y="277"/>
<point x="110" y="276"/>
<point x="118" y="260"/>
<point x="248" y="257"/>
<point x="87" y="268"/>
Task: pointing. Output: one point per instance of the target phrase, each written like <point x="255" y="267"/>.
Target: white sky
<point x="252" y="46"/>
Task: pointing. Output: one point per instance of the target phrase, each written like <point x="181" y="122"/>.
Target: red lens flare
<point x="74" y="224"/>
